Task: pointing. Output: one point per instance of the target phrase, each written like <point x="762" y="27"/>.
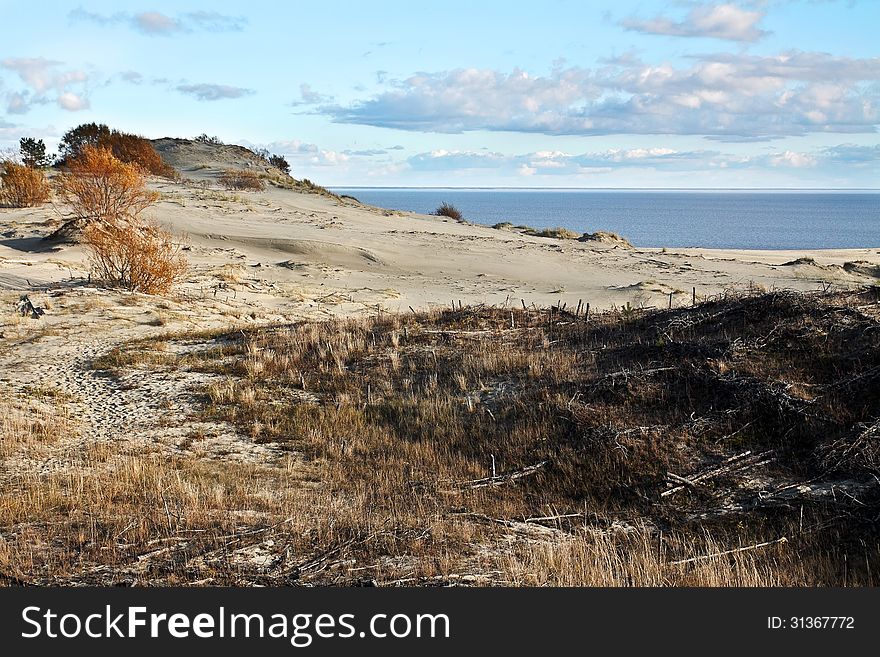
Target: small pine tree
<point x="88" y="134"/>
<point x="281" y="163"/>
<point x="33" y="153"/>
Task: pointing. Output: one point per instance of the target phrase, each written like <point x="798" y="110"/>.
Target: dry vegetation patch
<point x="22" y="186"/>
<point x="732" y="443"/>
<point x="241" y="180"/>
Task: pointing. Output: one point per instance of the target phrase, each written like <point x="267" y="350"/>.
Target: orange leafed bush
<point x="138" y="150"/>
<point x="142" y="257"/>
<point x="242" y="180"/>
<point x="125" y="146"/>
<point x="22" y="186"/>
<point x="100" y="186"/>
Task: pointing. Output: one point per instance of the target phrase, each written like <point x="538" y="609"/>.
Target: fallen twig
<point x="498" y="480"/>
<point x="739" y="462"/>
<point x="704" y="557"/>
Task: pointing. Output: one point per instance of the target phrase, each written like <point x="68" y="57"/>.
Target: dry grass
<point x="236" y="179"/>
<point x="606" y="236"/>
<point x="22" y="186"/>
<point x="392" y="425"/>
<point x="557" y="233"/>
<point x="449" y="210"/>
<point x="26" y="423"/>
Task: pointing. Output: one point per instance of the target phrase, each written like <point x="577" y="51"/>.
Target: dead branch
<point x="497" y="480"/>
<point x="704" y="557"/>
<point x="737" y="463"/>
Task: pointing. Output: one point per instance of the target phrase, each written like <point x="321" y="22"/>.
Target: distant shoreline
<point x="763" y="219"/>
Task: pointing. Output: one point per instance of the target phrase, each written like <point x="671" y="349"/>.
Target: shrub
<point x="22" y="186"/>
<point x="141" y="257"/>
<point x="605" y="236"/>
<point x="205" y="139"/>
<point x="242" y="180"/>
<point x="100" y="186"/>
<point x="448" y="210"/>
<point x="126" y="147"/>
<point x="557" y="233"/>
<point x="33" y="153"/>
<point x="280" y="162"/>
<point x="134" y="149"/>
<point x="76" y="139"/>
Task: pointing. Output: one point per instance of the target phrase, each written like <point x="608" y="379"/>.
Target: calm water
<point x="714" y="219"/>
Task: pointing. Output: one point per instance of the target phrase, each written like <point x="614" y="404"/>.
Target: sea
<point x="721" y="219"/>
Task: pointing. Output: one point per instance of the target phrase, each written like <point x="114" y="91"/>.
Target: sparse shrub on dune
<point x="557" y="233"/>
<point x="280" y="162"/>
<point x="22" y="186"/>
<point x="100" y="186"/>
<point x="108" y="197"/>
<point x="204" y="138"/>
<point x="448" y="210"/>
<point x="242" y="180"/>
<point x="138" y="256"/>
<point x="126" y="147"/>
<point x="607" y="237"/>
<point x="134" y="149"/>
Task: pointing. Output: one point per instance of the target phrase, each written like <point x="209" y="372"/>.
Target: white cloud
<point x="211" y="92"/>
<point x="44" y="83"/>
<point x="717" y="21"/>
<point x="300" y="153"/>
<point x="793" y="159"/>
<point x="309" y="96"/>
<point x="73" y="102"/>
<point x="558" y="163"/>
<point x="155" y="23"/>
<point x="736" y="97"/>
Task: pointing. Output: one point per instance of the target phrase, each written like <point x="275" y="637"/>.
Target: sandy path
<point x="146" y="409"/>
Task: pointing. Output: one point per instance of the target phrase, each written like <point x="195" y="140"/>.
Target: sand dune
<point x="293" y="241"/>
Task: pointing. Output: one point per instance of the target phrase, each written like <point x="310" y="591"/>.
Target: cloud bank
<point x="732" y="97"/>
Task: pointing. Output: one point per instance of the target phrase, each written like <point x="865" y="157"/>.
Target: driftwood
<point x="27" y="308"/>
<point x="705" y="557"/>
<point x="530" y="530"/>
<point x="737" y="463"/>
<point x="497" y="480"/>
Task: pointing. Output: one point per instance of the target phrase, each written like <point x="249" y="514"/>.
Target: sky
<point x="558" y="93"/>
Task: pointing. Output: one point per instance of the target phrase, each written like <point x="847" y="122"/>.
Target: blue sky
<point x="772" y="93"/>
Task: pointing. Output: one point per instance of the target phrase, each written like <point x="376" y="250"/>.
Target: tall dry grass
<point x="240" y="180"/>
<point x="493" y="446"/>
